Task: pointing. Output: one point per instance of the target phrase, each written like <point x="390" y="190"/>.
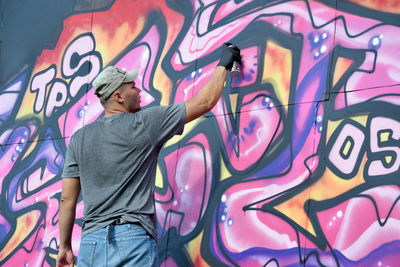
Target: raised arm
<point x="209" y="94"/>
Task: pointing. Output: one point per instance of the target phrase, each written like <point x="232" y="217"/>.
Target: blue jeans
<point x="118" y="245"/>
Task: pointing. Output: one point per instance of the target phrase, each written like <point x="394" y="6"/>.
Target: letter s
<point x="383" y="132"/>
<point x="81" y="62"/>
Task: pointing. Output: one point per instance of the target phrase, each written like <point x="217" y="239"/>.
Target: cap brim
<point x="131" y="75"/>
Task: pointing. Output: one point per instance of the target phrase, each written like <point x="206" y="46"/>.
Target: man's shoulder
<point x="155" y="109"/>
<point x="78" y="133"/>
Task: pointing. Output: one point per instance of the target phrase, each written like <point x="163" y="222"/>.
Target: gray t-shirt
<point x="115" y="159"/>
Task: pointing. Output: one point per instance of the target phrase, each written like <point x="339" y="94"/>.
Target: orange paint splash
<point x="342" y="65"/>
<point x="391" y="6"/>
<point x="277" y="70"/>
<point x="25" y="225"/>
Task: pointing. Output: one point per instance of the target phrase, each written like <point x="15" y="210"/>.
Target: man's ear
<point x="117" y="96"/>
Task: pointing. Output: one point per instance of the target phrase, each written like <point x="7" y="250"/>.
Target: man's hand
<point x="230" y="53"/>
<point x="65" y="258"/>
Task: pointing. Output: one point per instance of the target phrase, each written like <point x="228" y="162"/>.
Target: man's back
<point x="117" y="159"/>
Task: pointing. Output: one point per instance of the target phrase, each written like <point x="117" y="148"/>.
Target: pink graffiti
<point x="189" y="175"/>
<point x="265" y="229"/>
<point x="356" y="228"/>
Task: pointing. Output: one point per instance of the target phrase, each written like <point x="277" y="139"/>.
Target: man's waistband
<point x="120" y="221"/>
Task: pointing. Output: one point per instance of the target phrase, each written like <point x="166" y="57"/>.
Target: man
<point x="113" y="161"/>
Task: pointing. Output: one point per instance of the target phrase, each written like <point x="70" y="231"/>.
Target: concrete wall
<point x="298" y="164"/>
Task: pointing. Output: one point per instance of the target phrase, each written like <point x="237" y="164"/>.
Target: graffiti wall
<point x="297" y="165"/>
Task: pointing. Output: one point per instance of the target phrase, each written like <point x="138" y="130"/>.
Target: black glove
<point x="229" y="54"/>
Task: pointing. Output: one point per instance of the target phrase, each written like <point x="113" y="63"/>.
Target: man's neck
<point x="109" y="114"/>
<point x="111" y="111"/>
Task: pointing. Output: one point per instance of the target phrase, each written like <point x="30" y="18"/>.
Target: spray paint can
<point x="235" y="70"/>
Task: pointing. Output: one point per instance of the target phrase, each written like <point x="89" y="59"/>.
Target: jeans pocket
<point x="137" y="251"/>
<point x="86" y="253"/>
